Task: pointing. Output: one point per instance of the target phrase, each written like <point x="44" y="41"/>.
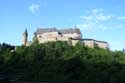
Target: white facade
<point x="92" y="43"/>
<point x="72" y="36"/>
<point x="102" y="44"/>
<point x="89" y="43"/>
<point x="48" y="35"/>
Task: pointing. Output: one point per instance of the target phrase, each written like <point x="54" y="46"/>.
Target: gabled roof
<point x="44" y="30"/>
<point x="63" y="31"/>
<point x="88" y="39"/>
<point x="70" y="30"/>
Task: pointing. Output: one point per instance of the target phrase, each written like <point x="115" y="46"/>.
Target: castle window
<point x="96" y="45"/>
<point x="60" y="34"/>
<point x="39" y="36"/>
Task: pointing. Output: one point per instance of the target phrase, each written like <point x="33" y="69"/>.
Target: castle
<point x="71" y="35"/>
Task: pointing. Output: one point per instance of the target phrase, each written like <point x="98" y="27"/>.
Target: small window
<point x="59" y="33"/>
<point x="39" y="36"/>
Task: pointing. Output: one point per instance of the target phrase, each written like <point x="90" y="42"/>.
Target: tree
<point x="59" y="62"/>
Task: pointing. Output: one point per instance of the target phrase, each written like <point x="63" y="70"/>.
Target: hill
<point x="58" y="62"/>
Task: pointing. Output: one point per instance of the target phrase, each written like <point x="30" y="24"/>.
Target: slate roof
<point x="63" y="31"/>
<point x="88" y="39"/>
<point x="44" y="30"/>
<point x="70" y="30"/>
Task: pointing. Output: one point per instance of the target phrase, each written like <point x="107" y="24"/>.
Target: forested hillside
<point x="58" y="62"/>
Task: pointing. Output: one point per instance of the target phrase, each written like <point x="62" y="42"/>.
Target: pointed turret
<point x="25" y="36"/>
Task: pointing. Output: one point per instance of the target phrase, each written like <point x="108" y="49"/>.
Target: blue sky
<point x="98" y="19"/>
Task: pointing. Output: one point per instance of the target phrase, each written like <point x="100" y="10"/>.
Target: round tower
<point x="25" y="36"/>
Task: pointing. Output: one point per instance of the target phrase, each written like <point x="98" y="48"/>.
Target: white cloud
<point x="97" y="14"/>
<point x="97" y="19"/>
<point x="34" y="8"/>
<point x="86" y="17"/>
<point x="96" y="11"/>
<point x="91" y="26"/>
<point x="103" y="17"/>
<point x="121" y="17"/>
<point x="85" y="26"/>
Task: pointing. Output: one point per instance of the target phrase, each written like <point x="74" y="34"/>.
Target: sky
<point x="102" y="20"/>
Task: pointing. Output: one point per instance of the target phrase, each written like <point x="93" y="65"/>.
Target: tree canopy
<point x="59" y="62"/>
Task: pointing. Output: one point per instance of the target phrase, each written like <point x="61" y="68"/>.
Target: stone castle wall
<point x="72" y="37"/>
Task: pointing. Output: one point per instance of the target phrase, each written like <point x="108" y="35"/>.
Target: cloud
<point x="103" y="17"/>
<point x="98" y="19"/>
<point x="34" y="8"/>
<point x="121" y="17"/>
<point x="96" y="11"/>
<point x="97" y="14"/>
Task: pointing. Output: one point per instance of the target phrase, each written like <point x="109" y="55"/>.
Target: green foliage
<point x="35" y="41"/>
<point x="59" y="62"/>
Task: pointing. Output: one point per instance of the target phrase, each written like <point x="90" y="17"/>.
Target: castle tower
<point x="24" y="37"/>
